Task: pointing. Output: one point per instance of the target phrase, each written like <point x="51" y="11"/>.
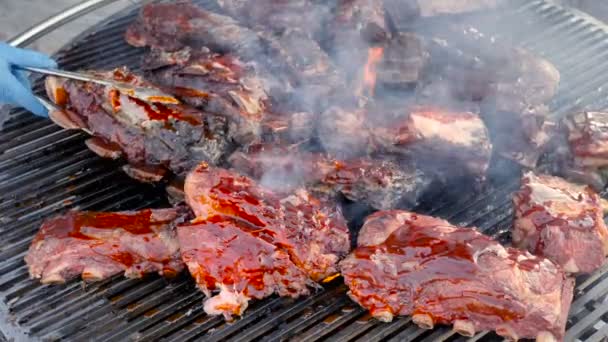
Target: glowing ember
<point x="374" y="56"/>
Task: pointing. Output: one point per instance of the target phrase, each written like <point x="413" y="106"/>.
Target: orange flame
<point x="374" y="57"/>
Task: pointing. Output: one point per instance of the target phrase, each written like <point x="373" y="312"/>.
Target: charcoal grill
<point x="45" y="170"/>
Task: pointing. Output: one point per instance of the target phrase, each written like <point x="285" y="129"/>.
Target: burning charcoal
<point x="404" y="61"/>
<point x="151" y="136"/>
<point x="561" y="221"/>
<point x="380" y="183"/>
<point x="100" y="245"/>
<point x="358" y="37"/>
<point x="248" y="242"/>
<point x="411" y="264"/>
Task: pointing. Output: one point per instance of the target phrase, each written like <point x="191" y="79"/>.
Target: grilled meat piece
<point x="511" y="85"/>
<point x="292" y="52"/>
<point x="152" y="137"/>
<point x="442" y="140"/>
<point x="214" y="83"/>
<point x="317" y="77"/>
<point x="225" y="85"/>
<point x="560" y="221"/>
<point x="100" y="245"/>
<point x="410" y="264"/>
<point x="582" y="153"/>
<point x="365" y="18"/>
<point x="248" y="242"/>
<point x="382" y="184"/>
<point x="588" y="138"/>
<point x="435" y="137"/>
<point x="404" y="61"/>
<point x="279" y="15"/>
<point x="173" y="26"/>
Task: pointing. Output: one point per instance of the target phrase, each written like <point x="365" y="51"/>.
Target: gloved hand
<point x="15" y="88"/>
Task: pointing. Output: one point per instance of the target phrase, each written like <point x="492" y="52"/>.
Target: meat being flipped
<point x="98" y="245"/>
<point x="215" y="83"/>
<point x="247" y="242"/>
<point x="153" y="137"/>
<point x="561" y="221"/>
<point x="227" y="86"/>
<point x="411" y="264"/>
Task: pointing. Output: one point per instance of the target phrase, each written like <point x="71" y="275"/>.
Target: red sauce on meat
<point x="435" y="257"/>
<point x="138" y="223"/>
<point x="162" y="112"/>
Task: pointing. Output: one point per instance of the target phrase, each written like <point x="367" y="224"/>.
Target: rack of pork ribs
<point x="283" y="117"/>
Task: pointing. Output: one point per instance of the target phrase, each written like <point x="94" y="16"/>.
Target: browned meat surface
<point x="432" y="136"/>
<point x="316" y="75"/>
<point x="410" y="264"/>
<point x="215" y="83"/>
<point x="172" y="26"/>
<point x="404" y="61"/>
<point x="100" y="245"/>
<point x="588" y="137"/>
<point x="278" y="15"/>
<point x="582" y="153"/>
<point x="248" y="242"/>
<point x="457" y="141"/>
<point x="380" y="183"/>
<point x="152" y="137"/>
<point x="288" y="58"/>
<point x="366" y="18"/>
<point x="511" y="85"/>
<point x="560" y="221"/>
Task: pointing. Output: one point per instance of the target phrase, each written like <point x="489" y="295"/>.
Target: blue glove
<point x="15" y="88"/>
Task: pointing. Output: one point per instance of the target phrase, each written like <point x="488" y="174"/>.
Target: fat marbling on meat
<point x="560" y="221"/>
<point x="411" y="264"/>
<point x="98" y="245"/>
<point x="248" y="242"/>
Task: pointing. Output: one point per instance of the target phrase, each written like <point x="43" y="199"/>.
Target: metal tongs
<point x="142" y="93"/>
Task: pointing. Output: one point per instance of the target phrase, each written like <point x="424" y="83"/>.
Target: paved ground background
<point x="18" y="15"/>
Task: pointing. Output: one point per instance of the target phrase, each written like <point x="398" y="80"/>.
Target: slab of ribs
<point x="411" y="264"/>
<point x="286" y="112"/>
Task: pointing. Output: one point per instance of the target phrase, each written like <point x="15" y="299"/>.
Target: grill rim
<point x="4" y="307"/>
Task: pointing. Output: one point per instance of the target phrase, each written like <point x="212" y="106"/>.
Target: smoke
<point x="405" y="80"/>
